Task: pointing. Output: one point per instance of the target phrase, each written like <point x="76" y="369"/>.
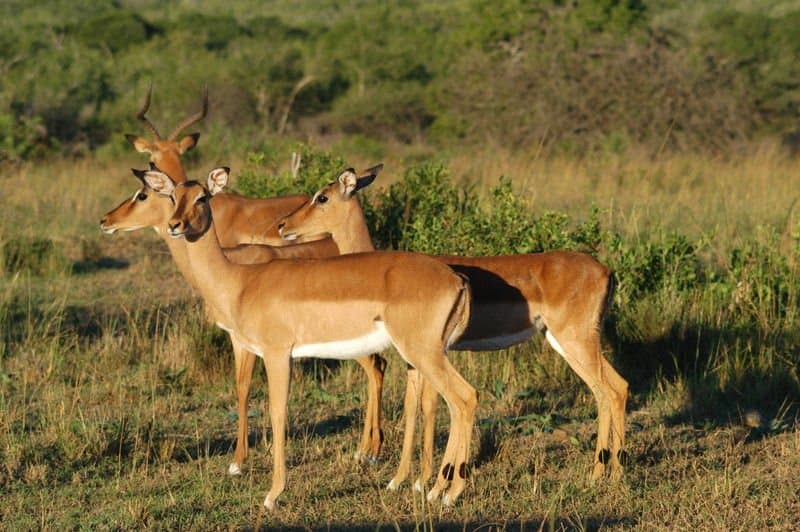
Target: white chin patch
<point x="108" y="230"/>
<point x="290" y="236"/>
<point x="376" y="341"/>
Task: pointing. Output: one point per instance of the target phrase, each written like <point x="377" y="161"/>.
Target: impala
<point x="151" y="210"/>
<point x="342" y="307"/>
<point x="565" y="294"/>
<point x="146" y="209"/>
<point x="240" y="220"/>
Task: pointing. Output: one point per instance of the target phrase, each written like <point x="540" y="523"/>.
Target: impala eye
<point x="202" y="199"/>
<point x="141" y="196"/>
<point x="322" y="198"/>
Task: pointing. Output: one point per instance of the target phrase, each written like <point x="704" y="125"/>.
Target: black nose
<point x="103" y="221"/>
<point x="174" y="226"/>
<point x="280" y="225"/>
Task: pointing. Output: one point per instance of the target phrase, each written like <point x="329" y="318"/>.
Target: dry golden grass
<point x="116" y="401"/>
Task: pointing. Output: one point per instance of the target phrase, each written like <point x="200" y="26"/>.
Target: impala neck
<point x="177" y="248"/>
<point x="353" y="236"/>
<point x="211" y="269"/>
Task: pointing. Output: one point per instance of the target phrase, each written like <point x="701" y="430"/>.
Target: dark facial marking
<point x="604" y="456"/>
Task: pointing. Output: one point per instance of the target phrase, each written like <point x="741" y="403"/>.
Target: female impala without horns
<point x="341" y="307"/>
<point x="563" y="293"/>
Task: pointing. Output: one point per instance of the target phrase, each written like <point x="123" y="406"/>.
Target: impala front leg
<point x="278" y="366"/>
<point x="410" y="406"/>
<point x="243" y="363"/>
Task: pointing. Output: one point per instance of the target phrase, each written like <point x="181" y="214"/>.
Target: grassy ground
<point x="117" y="407"/>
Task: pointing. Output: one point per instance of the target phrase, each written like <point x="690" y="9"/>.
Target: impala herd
<point x="335" y="296"/>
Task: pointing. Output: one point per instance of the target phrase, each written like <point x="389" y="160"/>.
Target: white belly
<point x="374" y="342"/>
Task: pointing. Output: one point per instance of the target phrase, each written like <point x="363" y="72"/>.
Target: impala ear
<point x="156" y="180"/>
<point x="188" y="142"/>
<point x="367" y="177"/>
<point x="348" y="182"/>
<point x="217" y="179"/>
<point x="140" y="144"/>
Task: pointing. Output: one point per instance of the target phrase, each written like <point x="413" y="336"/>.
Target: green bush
<point x="115" y="30"/>
<point x="21" y="137"/>
<point x="262" y="176"/>
<point x="215" y="31"/>
<point x="646" y="267"/>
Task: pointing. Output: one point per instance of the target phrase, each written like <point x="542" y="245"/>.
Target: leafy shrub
<point x="646" y="267"/>
<point x="427" y="212"/>
<point x="610" y="15"/>
<point x="763" y="284"/>
<point x="115" y="30"/>
<point x="215" y="31"/>
<point x="273" y="29"/>
<point x="21" y="137"/>
<point x="261" y="176"/>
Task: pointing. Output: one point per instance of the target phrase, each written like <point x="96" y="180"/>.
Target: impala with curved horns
<point x="233" y="213"/>
<point x="341" y="307"/>
<point x="240" y="220"/>
<point x="565" y="294"/>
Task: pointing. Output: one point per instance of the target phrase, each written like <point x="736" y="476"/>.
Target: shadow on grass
<point x="189" y="448"/>
<point x="84" y="267"/>
<point x="86" y="322"/>
<point x="724" y="372"/>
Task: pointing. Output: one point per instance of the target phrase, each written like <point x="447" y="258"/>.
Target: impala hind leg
<point x="462" y="400"/>
<point x="429" y="402"/>
<point x="610" y="391"/>
<point x="372" y="436"/>
<point x="278" y="366"/>
<point x="410" y="406"/>
<point x="244" y="361"/>
<point x="618" y="401"/>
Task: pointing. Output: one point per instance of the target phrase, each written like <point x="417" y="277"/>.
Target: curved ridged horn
<point x="192" y="119"/>
<point x="141" y="114"/>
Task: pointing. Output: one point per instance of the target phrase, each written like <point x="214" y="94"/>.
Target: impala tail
<point x="459" y="317"/>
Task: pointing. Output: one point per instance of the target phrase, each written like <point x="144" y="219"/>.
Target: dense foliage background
<point x="552" y="75"/>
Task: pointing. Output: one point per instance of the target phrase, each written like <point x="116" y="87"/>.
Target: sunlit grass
<point x="117" y="407"/>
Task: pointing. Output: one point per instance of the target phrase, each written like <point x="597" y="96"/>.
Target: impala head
<point x="144" y="209"/>
<point x="329" y="208"/>
<point x="191" y="216"/>
<point x="165" y="153"/>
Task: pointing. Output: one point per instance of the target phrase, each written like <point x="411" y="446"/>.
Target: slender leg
<point x="372" y="437"/>
<point x="410" y="406"/>
<point x="619" y="398"/>
<point x="450" y="385"/>
<point x="243" y="362"/>
<point x="430" y="402"/>
<point x="610" y="390"/>
<point x="278" y="366"/>
<point x="469" y="398"/>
